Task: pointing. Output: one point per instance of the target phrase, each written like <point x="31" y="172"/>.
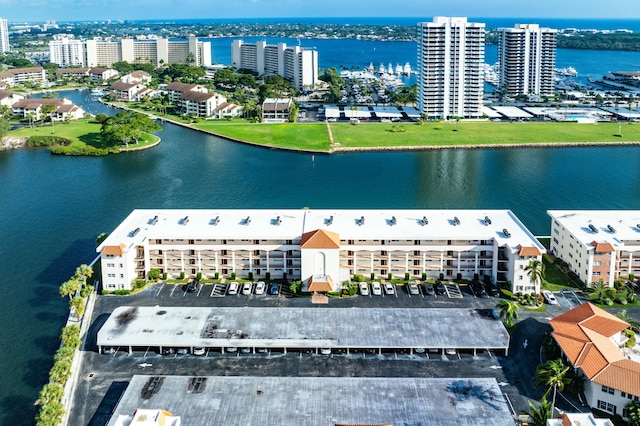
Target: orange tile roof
<point x="602" y="247"/>
<point x="320" y="239"/>
<point x="528" y="251"/>
<point x="584" y="334"/>
<point x="114" y="250"/>
<point x="321" y="286"/>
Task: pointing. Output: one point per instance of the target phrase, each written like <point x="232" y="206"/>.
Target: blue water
<point x="54" y="207"/>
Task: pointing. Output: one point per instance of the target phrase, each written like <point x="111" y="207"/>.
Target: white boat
<point x="567" y="72"/>
<point x="398" y="69"/>
<point x="370" y="68"/>
<point x="390" y="69"/>
<point x="407" y="69"/>
<point x="382" y="70"/>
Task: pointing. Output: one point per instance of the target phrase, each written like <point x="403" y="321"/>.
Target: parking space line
<point x="160" y="290"/>
<point x="173" y="289"/>
<point x="200" y="289"/>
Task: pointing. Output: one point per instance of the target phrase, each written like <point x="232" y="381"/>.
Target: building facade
<point x="595" y="343"/>
<point x="450" y="68"/>
<point x="327" y="244"/>
<point x="64" y="50"/>
<point x="296" y="64"/>
<point x="4" y="35"/>
<point x="527" y="58"/>
<point x="14" y="76"/>
<point x="597" y="244"/>
<point x="104" y="53"/>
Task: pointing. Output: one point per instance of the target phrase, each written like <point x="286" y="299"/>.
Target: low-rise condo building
<point x="595" y="343"/>
<point x="14" y="76"/>
<point x="321" y="246"/>
<point x="597" y="244"/>
<point x="32" y="107"/>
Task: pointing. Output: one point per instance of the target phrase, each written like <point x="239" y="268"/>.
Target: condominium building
<point x="527" y="57"/>
<point x="105" y="53"/>
<point x="320" y="246"/>
<point x="64" y="50"/>
<point x="450" y="68"/>
<point x="296" y="64"/>
<point x="4" y="35"/>
<point x="597" y="244"/>
<point x="13" y="76"/>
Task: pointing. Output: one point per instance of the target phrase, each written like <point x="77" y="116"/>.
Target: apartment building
<point x="66" y="52"/>
<point x="296" y="64"/>
<point x="4" y="35"/>
<point x="65" y="109"/>
<point x="597" y="244"/>
<point x="595" y="343"/>
<point x="450" y="68"/>
<point x="527" y="58"/>
<point x="321" y="245"/>
<point x="14" y="76"/>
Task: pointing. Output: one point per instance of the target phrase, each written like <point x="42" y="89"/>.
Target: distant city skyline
<point x="83" y="10"/>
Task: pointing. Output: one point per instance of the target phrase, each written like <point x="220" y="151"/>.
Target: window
<point x="608" y="390"/>
<point x="111" y="275"/>
<point x="111" y="265"/>
<point x="603" y="405"/>
<point x="596" y="274"/>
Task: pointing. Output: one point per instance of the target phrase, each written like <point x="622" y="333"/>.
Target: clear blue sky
<point x="72" y="10"/>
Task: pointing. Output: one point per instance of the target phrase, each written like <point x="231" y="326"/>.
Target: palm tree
<point x="538" y="414"/>
<point x="50" y="414"/>
<point x="535" y="269"/>
<point x="69" y="288"/>
<point x="69" y="334"/>
<point x="508" y="311"/>
<point x="552" y="374"/>
<point x="77" y="306"/>
<point x="83" y="272"/>
<point x="600" y="290"/>
<point x="60" y="371"/>
<point x="624" y="316"/>
<point x="633" y="413"/>
<point x="51" y="392"/>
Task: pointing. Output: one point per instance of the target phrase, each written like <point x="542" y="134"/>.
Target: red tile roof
<point x="114" y="250"/>
<point x="603" y="247"/>
<point x="320" y="239"/>
<point x="528" y="251"/>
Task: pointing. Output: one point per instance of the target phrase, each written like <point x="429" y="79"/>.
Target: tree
<point x="82" y="273"/>
<point x="540" y="413"/>
<point x="60" y="371"/>
<point x="126" y="127"/>
<point x="535" y="269"/>
<point x="69" y="288"/>
<point x="508" y="311"/>
<point x="51" y="392"/>
<point x="50" y="414"/>
<point x="4" y="127"/>
<point x="5" y="112"/>
<point x="295" y="286"/>
<point x="69" y="334"/>
<point x="100" y="238"/>
<point x="49" y="109"/>
<point x="624" y="316"/>
<point x="600" y="290"/>
<point x="633" y="413"/>
<point x="77" y="306"/>
<point x="154" y="274"/>
<point x="553" y="375"/>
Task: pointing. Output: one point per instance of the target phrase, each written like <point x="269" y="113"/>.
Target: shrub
<point x="389" y="276"/>
<point x="406" y="276"/>
<point x="199" y="276"/>
<point x="216" y="275"/>
<point x="47" y="141"/>
<point x="233" y="275"/>
<point x="632" y="276"/>
<point x="182" y="275"/>
<point x="424" y="276"/>
<point x="139" y="283"/>
<point x="154" y="274"/>
<point x="86" y="290"/>
<point x="622" y="300"/>
<point x="268" y="275"/>
<point x="164" y="276"/>
<point x="121" y="292"/>
<point x="632" y="339"/>
<point x="373" y="276"/>
<point x="441" y="276"/>
<point x="607" y="301"/>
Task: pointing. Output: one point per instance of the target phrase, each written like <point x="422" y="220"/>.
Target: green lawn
<point x="82" y="133"/>
<point x="368" y="135"/>
<point x="303" y="137"/>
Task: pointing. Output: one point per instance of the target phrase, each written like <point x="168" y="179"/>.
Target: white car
<point x="246" y="288"/>
<point x="364" y="288"/>
<point x="389" y="288"/>
<point x="549" y="297"/>
<point x="233" y="287"/>
<point x="198" y="351"/>
<point x="450" y="351"/>
<point x="376" y="288"/>
<point x="260" y="286"/>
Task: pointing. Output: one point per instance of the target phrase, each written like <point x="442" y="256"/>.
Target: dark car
<point x="274" y="289"/>
<point x="429" y="291"/>
<point x="193" y="286"/>
<point x="439" y="287"/>
<point x="491" y="290"/>
<point x="478" y="289"/>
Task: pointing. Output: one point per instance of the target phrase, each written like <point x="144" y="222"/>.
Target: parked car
<point x="246" y="288"/>
<point x="325" y="351"/>
<point x="389" y="288"/>
<point x="492" y="290"/>
<point x="549" y="297"/>
<point x="199" y="351"/>
<point x="193" y="286"/>
<point x="364" y="288"/>
<point x="428" y="289"/>
<point x="413" y="288"/>
<point x="231" y="349"/>
<point x="376" y="288"/>
<point x="182" y="351"/>
<point x="274" y="289"/>
<point x="439" y="287"/>
<point x="450" y="351"/>
<point x="233" y="287"/>
<point x="478" y="289"/>
<point x="260" y="286"/>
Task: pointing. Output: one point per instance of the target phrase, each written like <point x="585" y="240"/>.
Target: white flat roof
<point x="490" y="112"/>
<point x="624" y="222"/>
<point x="512" y="112"/>
<point x="303" y="328"/>
<point x="377" y="225"/>
<point x="321" y="401"/>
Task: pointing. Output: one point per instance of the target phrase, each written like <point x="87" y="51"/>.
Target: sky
<point x="83" y="10"/>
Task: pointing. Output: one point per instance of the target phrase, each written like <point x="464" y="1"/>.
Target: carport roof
<point x="303" y="328"/>
<point x="322" y="401"/>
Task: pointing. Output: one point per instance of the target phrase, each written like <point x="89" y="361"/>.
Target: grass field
<point x="303" y="137"/>
<point x="314" y="137"/>
<point x="80" y="132"/>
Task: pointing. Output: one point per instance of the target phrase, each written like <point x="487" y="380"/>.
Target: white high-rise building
<point x="4" y="35"/>
<point x="297" y="64"/>
<point x="64" y="50"/>
<point x="527" y="57"/>
<point x="105" y="53"/>
<point x="450" y="61"/>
